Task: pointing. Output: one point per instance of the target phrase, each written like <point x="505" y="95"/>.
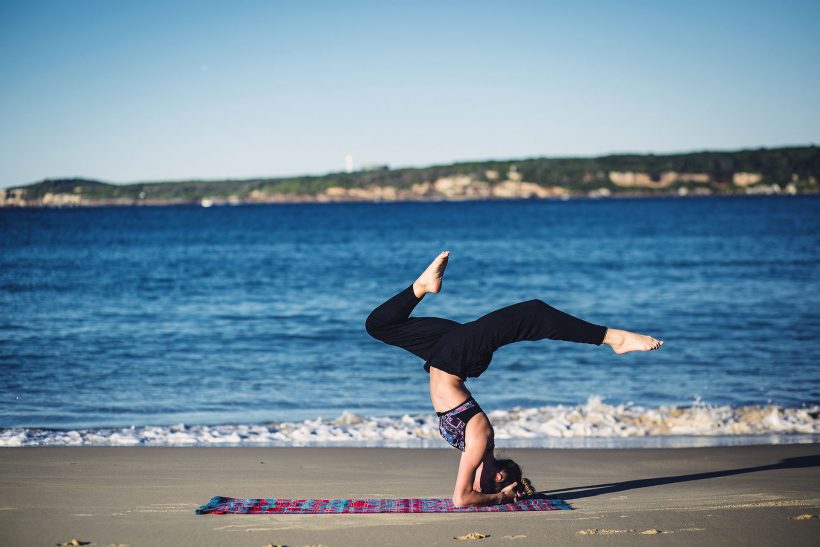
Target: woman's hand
<point x="509" y="494"/>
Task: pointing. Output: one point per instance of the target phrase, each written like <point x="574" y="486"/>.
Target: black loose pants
<point x="466" y="349"/>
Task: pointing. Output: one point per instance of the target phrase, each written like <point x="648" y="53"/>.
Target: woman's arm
<point x="467" y="497"/>
<point x="464" y="494"/>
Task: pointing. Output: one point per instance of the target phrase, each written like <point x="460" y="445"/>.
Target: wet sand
<point x="757" y="495"/>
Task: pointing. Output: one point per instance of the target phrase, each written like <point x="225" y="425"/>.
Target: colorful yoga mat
<point x="220" y="505"/>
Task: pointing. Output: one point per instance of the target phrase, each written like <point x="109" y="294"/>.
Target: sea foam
<point x="594" y="424"/>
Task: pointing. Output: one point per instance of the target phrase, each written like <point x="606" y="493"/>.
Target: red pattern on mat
<point x="221" y="505"/>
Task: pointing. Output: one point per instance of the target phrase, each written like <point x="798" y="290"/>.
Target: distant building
<point x="348" y="163"/>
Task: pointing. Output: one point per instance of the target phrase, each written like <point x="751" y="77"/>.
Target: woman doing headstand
<point x="454" y="352"/>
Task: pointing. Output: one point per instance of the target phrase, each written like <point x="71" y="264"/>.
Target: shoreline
<point x="595" y="424"/>
<point x="666" y="442"/>
<point x="147" y="496"/>
<point x="286" y="200"/>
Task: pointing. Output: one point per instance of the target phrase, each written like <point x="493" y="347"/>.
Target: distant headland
<point x="788" y="170"/>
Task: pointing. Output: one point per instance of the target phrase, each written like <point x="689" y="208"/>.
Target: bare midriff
<point x="447" y="391"/>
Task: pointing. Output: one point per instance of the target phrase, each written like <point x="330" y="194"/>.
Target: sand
<point x="759" y="495"/>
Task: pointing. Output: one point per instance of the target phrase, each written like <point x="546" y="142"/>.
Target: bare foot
<point x="623" y="341"/>
<point x="430" y="279"/>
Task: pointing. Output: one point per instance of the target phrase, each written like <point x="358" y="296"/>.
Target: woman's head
<point x="508" y="472"/>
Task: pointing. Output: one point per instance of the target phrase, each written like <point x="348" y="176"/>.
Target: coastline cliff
<point x="792" y="170"/>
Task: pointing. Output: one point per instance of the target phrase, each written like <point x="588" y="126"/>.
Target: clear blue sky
<point x="135" y="91"/>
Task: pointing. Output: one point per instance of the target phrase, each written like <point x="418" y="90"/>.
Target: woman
<point x="454" y="352"/>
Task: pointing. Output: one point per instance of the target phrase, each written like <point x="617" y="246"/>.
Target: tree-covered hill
<point x="791" y="169"/>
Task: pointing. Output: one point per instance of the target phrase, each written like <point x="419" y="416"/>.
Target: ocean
<point x="245" y="325"/>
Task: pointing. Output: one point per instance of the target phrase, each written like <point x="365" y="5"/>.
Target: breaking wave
<point x="594" y="424"/>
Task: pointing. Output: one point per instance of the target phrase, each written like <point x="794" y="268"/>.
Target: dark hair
<point x="513" y="475"/>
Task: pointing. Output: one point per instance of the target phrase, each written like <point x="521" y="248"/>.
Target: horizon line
<point x="425" y="166"/>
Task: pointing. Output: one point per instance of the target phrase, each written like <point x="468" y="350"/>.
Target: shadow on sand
<point x="599" y="489"/>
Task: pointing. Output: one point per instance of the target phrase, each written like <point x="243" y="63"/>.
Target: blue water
<point x="160" y="315"/>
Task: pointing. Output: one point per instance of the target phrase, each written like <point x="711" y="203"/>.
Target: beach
<point x="753" y="495"/>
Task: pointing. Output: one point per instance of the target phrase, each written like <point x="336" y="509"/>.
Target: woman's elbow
<point x="460" y="500"/>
